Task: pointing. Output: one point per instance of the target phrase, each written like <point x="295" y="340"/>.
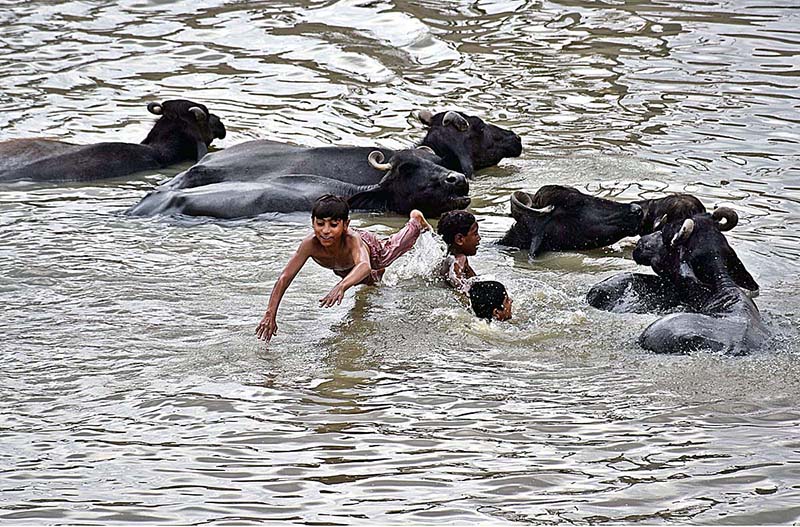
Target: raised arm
<point x="357" y="274"/>
<point x="268" y="326"/>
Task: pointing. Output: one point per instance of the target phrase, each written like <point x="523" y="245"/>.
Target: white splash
<point x="424" y="259"/>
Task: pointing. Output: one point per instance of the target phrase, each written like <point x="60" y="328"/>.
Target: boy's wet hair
<point x="330" y="206"/>
<point x="487" y="296"/>
<point x="454" y="222"/>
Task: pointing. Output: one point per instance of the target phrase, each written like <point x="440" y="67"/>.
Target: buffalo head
<point x="658" y="212"/>
<point x="184" y="131"/>
<point x="413" y="180"/>
<point x="466" y="143"/>
<point x="560" y="218"/>
<point x="693" y="254"/>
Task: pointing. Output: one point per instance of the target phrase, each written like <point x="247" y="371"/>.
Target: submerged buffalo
<point x="559" y="218"/>
<point x="411" y="180"/>
<point x="466" y="143"/>
<point x="462" y="143"/>
<point x="183" y="132"/>
<point x="697" y="271"/>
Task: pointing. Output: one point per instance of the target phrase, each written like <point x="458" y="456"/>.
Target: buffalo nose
<point x="457" y="180"/>
<point x="636" y="209"/>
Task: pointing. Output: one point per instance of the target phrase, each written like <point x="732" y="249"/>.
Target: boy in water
<point x="357" y="256"/>
<point x="490" y="300"/>
<point x="459" y="230"/>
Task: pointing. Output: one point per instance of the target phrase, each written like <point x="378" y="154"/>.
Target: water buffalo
<point x="463" y="143"/>
<point x="412" y="180"/>
<point x="466" y="143"/>
<point x="183" y="132"/>
<point x="697" y="271"/>
<point x="559" y="218"/>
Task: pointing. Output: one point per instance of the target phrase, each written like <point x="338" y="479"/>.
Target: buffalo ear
<point x="425" y="117"/>
<point x="374" y="198"/>
<point x="536" y="226"/>
<point x="686" y="272"/>
<point x="536" y="243"/>
<point x="740" y="275"/>
<point x="202" y="150"/>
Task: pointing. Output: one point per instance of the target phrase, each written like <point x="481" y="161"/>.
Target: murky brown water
<point x="132" y="386"/>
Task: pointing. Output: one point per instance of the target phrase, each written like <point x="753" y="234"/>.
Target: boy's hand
<point x="267" y="327"/>
<point x="417" y="215"/>
<point x="334" y="297"/>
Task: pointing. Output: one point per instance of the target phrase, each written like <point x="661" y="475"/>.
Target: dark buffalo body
<point x="262" y="160"/>
<point x="698" y="272"/>
<point x="462" y="143"/>
<point x="182" y="133"/>
<point x="559" y="218"/>
<point x="412" y="179"/>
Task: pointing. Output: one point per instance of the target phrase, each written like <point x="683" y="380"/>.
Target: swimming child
<point x="490" y="300"/>
<point x="459" y="230"/>
<point x="358" y="257"/>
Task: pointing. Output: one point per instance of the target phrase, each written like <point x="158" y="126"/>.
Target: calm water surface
<point x="132" y="386"/>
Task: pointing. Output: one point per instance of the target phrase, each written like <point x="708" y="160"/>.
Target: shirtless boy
<point x="358" y="257"/>
<point x="489" y="299"/>
<point x="459" y="230"/>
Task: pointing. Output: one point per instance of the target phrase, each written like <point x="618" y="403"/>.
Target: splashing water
<point x="424" y="259"/>
<point x="135" y="390"/>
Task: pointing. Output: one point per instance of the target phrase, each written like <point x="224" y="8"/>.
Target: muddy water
<point x="133" y="389"/>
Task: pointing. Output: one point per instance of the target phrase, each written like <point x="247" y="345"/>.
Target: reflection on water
<point x="134" y="389"/>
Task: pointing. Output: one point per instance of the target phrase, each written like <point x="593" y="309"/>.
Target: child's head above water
<point x="490" y="300"/>
<point x="330" y="218"/>
<point x="459" y="230"/>
<point x="330" y="206"/>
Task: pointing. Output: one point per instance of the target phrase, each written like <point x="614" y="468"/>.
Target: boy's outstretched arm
<point x="360" y="271"/>
<point x="268" y="326"/>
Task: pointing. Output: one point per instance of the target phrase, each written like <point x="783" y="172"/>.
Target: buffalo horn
<point x="659" y="222"/>
<point x="725" y="217"/>
<point x="521" y="201"/>
<point x="154" y="108"/>
<point x="456" y="119"/>
<point x="375" y="159"/>
<point x="199" y="114"/>
<point x="425" y="117"/>
<point x="683" y="234"/>
<point x="427" y="149"/>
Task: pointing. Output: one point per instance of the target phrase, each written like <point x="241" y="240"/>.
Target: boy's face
<point x="329" y="230"/>
<point x="468" y="244"/>
<point x="505" y="312"/>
